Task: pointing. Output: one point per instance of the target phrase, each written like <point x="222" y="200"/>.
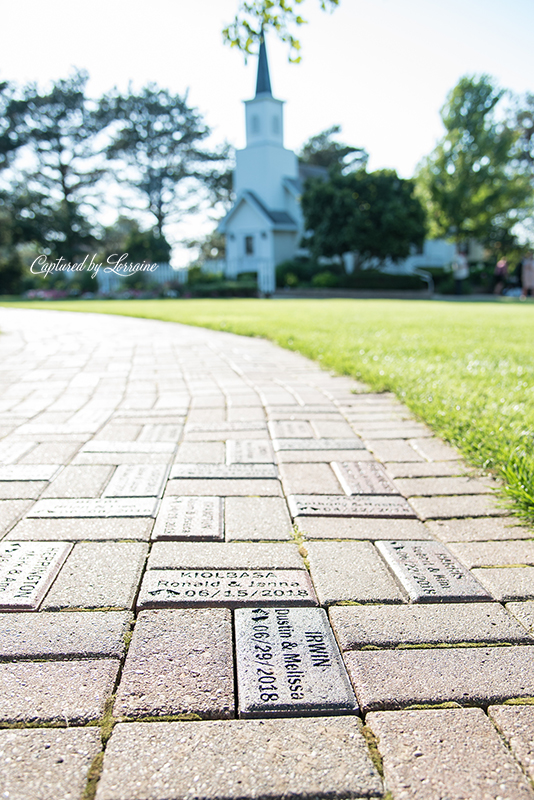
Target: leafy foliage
<point x="373" y="214"/>
<point x="470" y="183"/>
<point x="256" y="17"/>
<point x="322" y="150"/>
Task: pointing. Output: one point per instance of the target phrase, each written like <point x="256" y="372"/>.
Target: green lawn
<point x="467" y="369"/>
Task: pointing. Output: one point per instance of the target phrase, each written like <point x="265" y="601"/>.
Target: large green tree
<point x="373" y="214"/>
<point x="471" y="183"/>
<point x="157" y="148"/>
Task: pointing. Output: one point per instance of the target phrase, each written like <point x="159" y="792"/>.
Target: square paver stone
<point x="430" y="573"/>
<point x="309" y="505"/>
<point x="247" y="451"/>
<point x="225" y="555"/>
<point x="516" y="724"/>
<point x="230" y="588"/>
<point x="357" y="627"/>
<point x="98" y="575"/>
<point x="27" y="570"/>
<point x="364" y="477"/>
<point x="49" y="763"/>
<point x="190" y="518"/>
<point x="56" y="691"/>
<point x="446" y="753"/>
<point x="389" y="679"/>
<point x="100" y="507"/>
<point x="350" y="571"/>
<point x="66" y="634"/>
<point x="321" y="758"/>
<point x="257" y="518"/>
<point x="288" y="664"/>
<point x="179" y="662"/>
<point x="136" y="481"/>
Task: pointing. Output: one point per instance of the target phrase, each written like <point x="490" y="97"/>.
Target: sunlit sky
<point x="379" y="68"/>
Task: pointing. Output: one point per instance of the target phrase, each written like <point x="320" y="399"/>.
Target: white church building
<point x="265" y="224"/>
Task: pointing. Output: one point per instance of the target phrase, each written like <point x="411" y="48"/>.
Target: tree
<point x="375" y="215"/>
<point x="470" y="183"/>
<point x="322" y="150"/>
<point x="58" y="130"/>
<point x="158" y="137"/>
<point x="256" y="17"/>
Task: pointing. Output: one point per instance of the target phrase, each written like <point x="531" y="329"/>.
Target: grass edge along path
<point x="465" y="369"/>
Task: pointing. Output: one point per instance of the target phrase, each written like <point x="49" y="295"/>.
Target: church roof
<point x="279" y="220"/>
<point x="263" y="80"/>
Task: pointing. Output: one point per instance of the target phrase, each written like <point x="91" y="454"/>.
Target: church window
<point x="255" y="124"/>
<point x="249" y="245"/>
<point x="276" y="125"/>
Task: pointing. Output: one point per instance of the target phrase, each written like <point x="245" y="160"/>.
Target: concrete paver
<point x="56" y="691"/>
<point x="179" y="662"/>
<point x="49" y="764"/>
<point x="240" y="760"/>
<point x="516" y="724"/>
<point x="481" y="529"/>
<point x="449" y="753"/>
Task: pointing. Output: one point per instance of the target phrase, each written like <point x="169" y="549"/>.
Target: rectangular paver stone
<point x="302" y="505"/>
<point x="119" y="446"/>
<point x="249" y="451"/>
<point x="446" y="753"/>
<point x="136" y="481"/>
<point x="28" y="472"/>
<point x="524" y="612"/>
<point x="426" y="487"/>
<point x="179" y="662"/>
<point x="190" y="518"/>
<point x="315" y="478"/>
<point x="360" y="528"/>
<point x="66" y="634"/>
<point x="495" y="554"/>
<point x="224" y="488"/>
<point x="56" y="691"/>
<point x="241" y="760"/>
<point x="73" y="530"/>
<point x="430" y="573"/>
<point x="365" y="477"/>
<point x="101" y="507"/>
<point x="27" y="570"/>
<point x="288" y="664"/>
<point x="98" y="575"/>
<point x="481" y="529"/>
<point x="49" y="763"/>
<point x="225" y="555"/>
<point x="291" y="429"/>
<point x="451" y="623"/>
<point x="388" y="679"/>
<point x="257" y="518"/>
<point x="318" y="444"/>
<point x="508" y="583"/>
<point x="224" y="471"/>
<point x="230" y="588"/>
<point x="350" y="571"/>
<point x="457" y="506"/>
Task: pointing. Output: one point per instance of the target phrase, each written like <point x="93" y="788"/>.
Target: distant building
<point x="265" y="224"/>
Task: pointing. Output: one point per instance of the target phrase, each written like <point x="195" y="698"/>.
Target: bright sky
<point x="379" y="68"/>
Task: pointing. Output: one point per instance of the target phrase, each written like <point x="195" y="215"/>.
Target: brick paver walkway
<point x="226" y="573"/>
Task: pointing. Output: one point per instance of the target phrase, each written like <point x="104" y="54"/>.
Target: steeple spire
<point x="263" y="81"/>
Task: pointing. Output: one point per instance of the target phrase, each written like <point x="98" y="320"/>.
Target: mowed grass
<point x="466" y="369"/>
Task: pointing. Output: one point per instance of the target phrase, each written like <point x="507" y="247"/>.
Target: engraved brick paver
<point x="447" y="753"/>
<point x="105" y="434"/>
<point x="49" y="764"/>
<point x="179" y="662"/>
<point x="240" y="759"/>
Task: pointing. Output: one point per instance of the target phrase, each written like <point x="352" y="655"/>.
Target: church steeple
<point x="263" y="81"/>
